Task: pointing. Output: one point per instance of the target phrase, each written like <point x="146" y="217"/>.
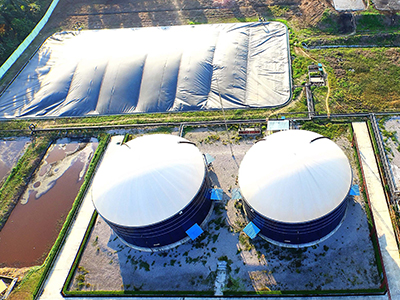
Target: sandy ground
<point x="344" y="261"/>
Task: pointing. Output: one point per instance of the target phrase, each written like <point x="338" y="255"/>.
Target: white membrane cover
<point x="154" y="69"/>
<point x="150" y="179"/>
<point x="288" y="178"/>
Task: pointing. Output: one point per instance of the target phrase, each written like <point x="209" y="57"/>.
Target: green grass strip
<point x="20" y="175"/>
<point x="143" y="118"/>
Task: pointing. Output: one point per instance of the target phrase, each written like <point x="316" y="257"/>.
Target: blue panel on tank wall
<point x="194" y="231"/>
<point x="355" y="190"/>
<point x="209" y="158"/>
<point x="216" y="194"/>
<point x="251" y="230"/>
<point x="236" y="195"/>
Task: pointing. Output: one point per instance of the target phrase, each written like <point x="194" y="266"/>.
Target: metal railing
<point x="394" y="193"/>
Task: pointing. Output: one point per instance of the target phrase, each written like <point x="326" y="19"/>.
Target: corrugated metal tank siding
<point x="297" y="233"/>
<point x="171" y="230"/>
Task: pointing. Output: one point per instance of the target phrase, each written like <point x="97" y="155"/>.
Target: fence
<point x="394" y="193"/>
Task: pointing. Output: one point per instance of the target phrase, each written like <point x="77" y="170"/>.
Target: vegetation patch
<point x="330" y="130"/>
<point x="362" y="80"/>
<point x="20" y="175"/>
<point x="17" y="20"/>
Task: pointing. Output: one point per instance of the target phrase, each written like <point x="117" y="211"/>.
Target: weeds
<point x="330" y="130"/>
<point x="244" y="240"/>
<point x="234" y="284"/>
<point x="211" y="139"/>
<point x="144" y="265"/>
<point x="81" y="278"/>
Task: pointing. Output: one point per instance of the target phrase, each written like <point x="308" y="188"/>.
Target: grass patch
<point x="361" y="39"/>
<point x="319" y="96"/>
<point x="26" y="288"/>
<point x="371" y="21"/>
<point x="362" y="80"/>
<point x="97" y="122"/>
<point x="330" y="130"/>
<point x="328" y="24"/>
<point x="300" y="67"/>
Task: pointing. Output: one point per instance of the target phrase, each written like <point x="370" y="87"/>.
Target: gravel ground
<point x="344" y="261"/>
<point x="392" y="126"/>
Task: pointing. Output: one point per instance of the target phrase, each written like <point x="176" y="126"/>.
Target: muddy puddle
<point x="10" y="152"/>
<point x="34" y="224"/>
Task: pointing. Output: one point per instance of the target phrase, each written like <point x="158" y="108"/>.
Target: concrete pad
<point x="380" y="211"/>
<point x="387" y="4"/>
<point x="348" y="5"/>
<point x="3" y="286"/>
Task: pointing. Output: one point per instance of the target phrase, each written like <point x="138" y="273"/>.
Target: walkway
<point x="387" y="240"/>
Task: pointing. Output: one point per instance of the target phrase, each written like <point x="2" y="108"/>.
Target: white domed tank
<point x="294" y="184"/>
<point x="152" y="190"/>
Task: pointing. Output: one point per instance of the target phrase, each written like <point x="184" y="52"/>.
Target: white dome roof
<point x="291" y="177"/>
<point x="150" y="179"/>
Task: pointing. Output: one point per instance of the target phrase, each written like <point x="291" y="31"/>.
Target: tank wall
<point x="171" y="230"/>
<point x="297" y="233"/>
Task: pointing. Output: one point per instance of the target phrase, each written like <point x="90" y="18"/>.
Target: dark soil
<point x="346" y="23"/>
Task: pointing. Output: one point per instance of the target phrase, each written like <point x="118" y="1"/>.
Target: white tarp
<point x="148" y="180"/>
<point x="295" y="176"/>
<point x="154" y="69"/>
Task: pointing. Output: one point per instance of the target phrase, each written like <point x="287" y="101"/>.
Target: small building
<point x="294" y="185"/>
<point x="316" y="74"/>
<point x="153" y="192"/>
<point x="277" y="125"/>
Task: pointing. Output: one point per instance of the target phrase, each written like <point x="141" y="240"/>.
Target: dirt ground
<point x="344" y="261"/>
<point x="140" y="13"/>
